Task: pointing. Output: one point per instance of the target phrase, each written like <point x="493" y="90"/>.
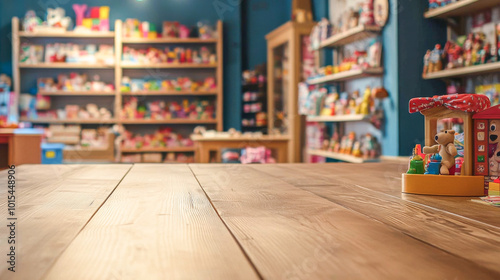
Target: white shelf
<point x="76" y="93"/>
<point x="347" y="75"/>
<point x="352" y="35"/>
<point x="170" y="121"/>
<point x="339" y="118"/>
<point x="170" y="92"/>
<point x="339" y="156"/>
<point x="464" y="71"/>
<point x="461" y="8"/>
<point x="69" y="121"/>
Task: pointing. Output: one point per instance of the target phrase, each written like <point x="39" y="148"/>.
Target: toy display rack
<point x="117" y="67"/>
<point x="336" y="42"/>
<point x="460" y="9"/>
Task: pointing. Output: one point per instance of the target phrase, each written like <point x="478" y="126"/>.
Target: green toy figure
<point x="416" y="165"/>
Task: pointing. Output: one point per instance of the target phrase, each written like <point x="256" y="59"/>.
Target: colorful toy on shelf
<point x="161" y="110"/>
<point x="206" y="31"/>
<point x="472" y="49"/>
<point x="256" y="155"/>
<point x="470" y="181"/>
<point x="8" y="103"/>
<point x="31" y="21"/>
<point x="179" y="84"/>
<point x="72" y="112"/>
<point x="133" y="28"/>
<point x="167" y="55"/>
<point x="74" y="82"/>
<point x="161" y="138"/>
<point x="31" y="54"/>
<point x="91" y="19"/>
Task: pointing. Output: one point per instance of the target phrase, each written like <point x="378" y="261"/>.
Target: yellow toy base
<point x="443" y="185"/>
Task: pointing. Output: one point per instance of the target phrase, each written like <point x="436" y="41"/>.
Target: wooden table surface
<point x="299" y="221"/>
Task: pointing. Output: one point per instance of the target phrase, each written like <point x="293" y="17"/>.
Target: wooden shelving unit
<point x="337" y="42"/>
<point x="461" y="8"/>
<point x="464" y="71"/>
<point x="339" y="156"/>
<point x="347" y="75"/>
<point x="118" y="68"/>
<point x="352" y="35"/>
<point x="339" y="118"/>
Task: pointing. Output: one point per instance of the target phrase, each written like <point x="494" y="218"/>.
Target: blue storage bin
<point x="52" y="153"/>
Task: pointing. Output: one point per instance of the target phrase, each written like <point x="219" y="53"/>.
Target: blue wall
<point x="415" y="35"/>
<point x="188" y="12"/>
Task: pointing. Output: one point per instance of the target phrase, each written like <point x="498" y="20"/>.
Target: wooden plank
<point x="347" y="75"/>
<point x="158" y="224"/>
<point x="289" y="233"/>
<point x="54" y="202"/>
<point x="386" y="178"/>
<point x="357" y="33"/>
<point x="461" y="8"/>
<point x="464" y="71"/>
<point x="472" y="240"/>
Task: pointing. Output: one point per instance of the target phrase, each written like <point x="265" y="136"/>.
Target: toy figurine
<point x="435" y="59"/>
<point x="455" y="58"/>
<point x="31" y="21"/>
<point x="446" y="150"/>
<point x="434" y="164"/>
<point x="356" y="149"/>
<point x="367" y="103"/>
<point x="416" y="165"/>
<point x="426" y="62"/>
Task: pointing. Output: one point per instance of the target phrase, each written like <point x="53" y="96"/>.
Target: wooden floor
<point x="299" y="221"/>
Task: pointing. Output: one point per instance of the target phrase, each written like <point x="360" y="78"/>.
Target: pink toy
<point x="79" y="12"/>
<point x="183" y="31"/>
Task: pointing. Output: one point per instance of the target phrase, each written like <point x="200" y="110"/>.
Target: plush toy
<point x="56" y="18"/>
<point x="446" y="150"/>
<point x="494" y="163"/>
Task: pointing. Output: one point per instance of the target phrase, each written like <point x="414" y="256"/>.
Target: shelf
<point x="339" y="156"/>
<point x="347" y="75"/>
<point x="171" y="121"/>
<point x="465" y="71"/>
<point x="158" y="150"/>
<point x="461" y="8"/>
<point x="172" y="92"/>
<point x="75" y="121"/>
<point x="340" y="118"/>
<point x="126" y="65"/>
<point x="64" y="65"/>
<point x="76" y="93"/>
<point x="68" y="34"/>
<point x="352" y="35"/>
<point x="168" y="41"/>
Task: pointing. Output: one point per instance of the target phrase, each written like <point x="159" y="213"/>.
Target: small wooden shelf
<point x="347" y="75"/>
<point x="171" y="121"/>
<point x="67" y="34"/>
<point x="338" y="156"/>
<point x="127" y="65"/>
<point x="159" y="150"/>
<point x="126" y="40"/>
<point x="64" y="65"/>
<point x="464" y="71"/>
<point x="76" y="93"/>
<point x="352" y="35"/>
<point x="172" y="92"/>
<point x="69" y="121"/>
<point x="461" y="8"/>
<point x="339" y="118"/>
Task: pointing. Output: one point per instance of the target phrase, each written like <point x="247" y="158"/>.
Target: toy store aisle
<point x="244" y="222"/>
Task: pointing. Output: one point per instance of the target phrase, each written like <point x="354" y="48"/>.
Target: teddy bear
<point x="493" y="137"/>
<point x="56" y="18"/>
<point x="494" y="163"/>
<point x="446" y="150"/>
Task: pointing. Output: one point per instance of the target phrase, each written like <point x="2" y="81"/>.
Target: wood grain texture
<point x="158" y="224"/>
<point x="386" y="178"/>
<point x="469" y="239"/>
<point x="54" y="202"/>
<point x="290" y="233"/>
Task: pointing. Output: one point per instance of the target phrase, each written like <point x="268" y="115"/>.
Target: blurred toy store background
<point x="252" y="81"/>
